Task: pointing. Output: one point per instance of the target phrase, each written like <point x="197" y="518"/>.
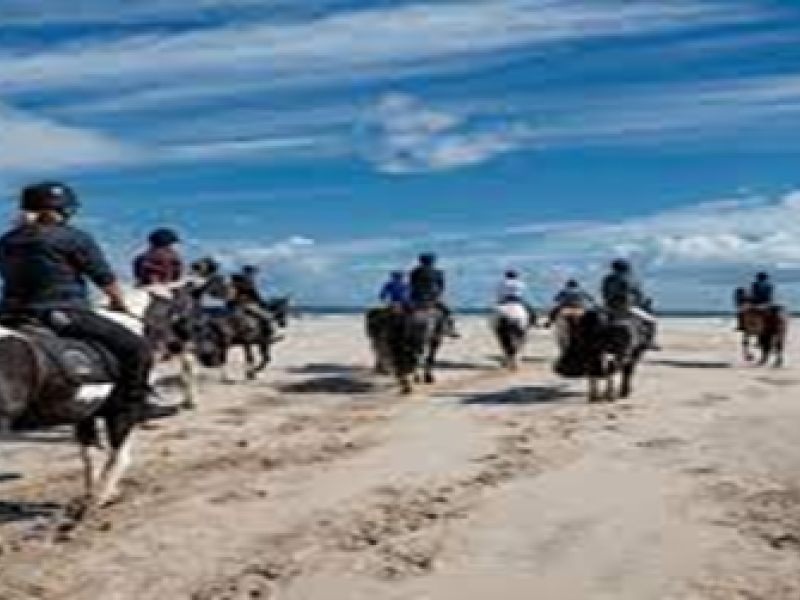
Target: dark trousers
<point x="131" y="350"/>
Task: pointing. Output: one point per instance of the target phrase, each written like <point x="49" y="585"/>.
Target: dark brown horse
<point x="768" y="328"/>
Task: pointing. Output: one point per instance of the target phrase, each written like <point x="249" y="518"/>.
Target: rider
<point x="623" y="295"/>
<point x="245" y="294"/>
<point x="46" y="263"/>
<point x="570" y="296"/>
<point x="428" y="287"/>
<point x="762" y="292"/>
<point x="513" y="289"/>
<point x="396" y="292"/>
<point x="210" y="289"/>
<point x="161" y="263"/>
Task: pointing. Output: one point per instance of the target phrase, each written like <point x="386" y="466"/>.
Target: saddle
<point x="69" y="361"/>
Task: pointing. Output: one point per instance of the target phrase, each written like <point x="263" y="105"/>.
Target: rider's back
<point x="762" y="292"/>
<point x="45" y="267"/>
<point x="157" y="265"/>
<point x="621" y="291"/>
<point x="427" y="284"/>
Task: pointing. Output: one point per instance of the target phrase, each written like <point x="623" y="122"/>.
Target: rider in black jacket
<point x="428" y="287"/>
<point x="46" y="264"/>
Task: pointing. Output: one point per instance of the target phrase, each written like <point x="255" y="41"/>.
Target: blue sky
<point x="332" y="140"/>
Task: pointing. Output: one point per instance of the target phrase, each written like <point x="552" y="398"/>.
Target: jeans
<point x="131" y="351"/>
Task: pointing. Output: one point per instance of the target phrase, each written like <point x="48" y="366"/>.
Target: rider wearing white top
<point x="511" y="289"/>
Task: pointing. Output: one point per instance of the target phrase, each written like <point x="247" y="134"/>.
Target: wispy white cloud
<point x="33" y="143"/>
<point x="346" y="41"/>
<point x="32" y="13"/>
<point x="406" y="136"/>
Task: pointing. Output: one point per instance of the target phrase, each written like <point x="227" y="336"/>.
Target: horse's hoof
<point x="429" y="379"/>
<point x="188" y="406"/>
<point x="79" y="508"/>
<point x="109" y="500"/>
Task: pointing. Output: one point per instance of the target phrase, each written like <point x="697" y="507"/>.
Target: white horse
<point x="510" y="321"/>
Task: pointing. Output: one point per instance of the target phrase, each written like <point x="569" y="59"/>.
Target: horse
<point x="47" y="380"/>
<point x="768" y="327"/>
<point x="212" y="336"/>
<point x="510" y="321"/>
<point x="598" y="345"/>
<point x="413" y="337"/>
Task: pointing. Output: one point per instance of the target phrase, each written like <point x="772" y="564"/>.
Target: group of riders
<point x="621" y="291"/>
<point x="46" y="263"/>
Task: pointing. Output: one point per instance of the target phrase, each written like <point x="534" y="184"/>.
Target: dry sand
<point x="320" y="483"/>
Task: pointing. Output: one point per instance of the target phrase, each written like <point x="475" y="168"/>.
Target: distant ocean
<point x="355" y="310"/>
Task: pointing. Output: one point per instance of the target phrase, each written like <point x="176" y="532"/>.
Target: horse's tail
<point x="20" y="376"/>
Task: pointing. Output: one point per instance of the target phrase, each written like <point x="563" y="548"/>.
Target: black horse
<point x="47" y="380"/>
<point x="598" y="346"/>
<point x="214" y="335"/>
<point x="406" y="341"/>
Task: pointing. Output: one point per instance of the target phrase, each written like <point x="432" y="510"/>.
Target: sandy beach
<point x="319" y="482"/>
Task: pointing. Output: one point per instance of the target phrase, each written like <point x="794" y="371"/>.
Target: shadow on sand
<point x="454" y="365"/>
<point x="333" y="384"/>
<point x="16" y="512"/>
<point x="326" y="369"/>
<point x="691" y="364"/>
<point x="523" y="395"/>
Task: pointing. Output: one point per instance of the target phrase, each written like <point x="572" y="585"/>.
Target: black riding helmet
<point x="427" y="259"/>
<point x="621" y="265"/>
<point x="163" y="237"/>
<point x="49" y="195"/>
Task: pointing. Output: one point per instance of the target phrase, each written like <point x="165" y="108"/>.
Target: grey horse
<point x="414" y="337"/>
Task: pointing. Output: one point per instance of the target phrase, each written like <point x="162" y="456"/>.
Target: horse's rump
<point x="54" y="379"/>
<point x="513" y="313"/>
<point x="594" y="337"/>
<point x="754" y="320"/>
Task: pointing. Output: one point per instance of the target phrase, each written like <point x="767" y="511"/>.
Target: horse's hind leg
<point x="430" y="363"/>
<point x="626" y="384"/>
<point x="88" y="438"/>
<point x="778" y="355"/>
<point x="610" y="395"/>
<point x="748" y="356"/>
<point x="250" y="363"/>
<point x="187" y="378"/>
<point x="120" y="436"/>
<point x="594" y="389"/>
